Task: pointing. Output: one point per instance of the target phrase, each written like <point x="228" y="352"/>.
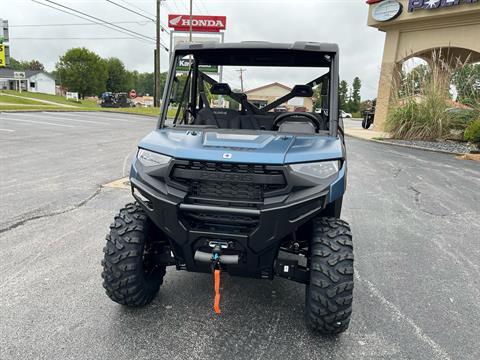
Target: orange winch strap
<point x="216" y="305"/>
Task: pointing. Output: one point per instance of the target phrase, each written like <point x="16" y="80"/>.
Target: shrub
<point x="424" y="118"/>
<point x="472" y="133"/>
<point x="422" y="109"/>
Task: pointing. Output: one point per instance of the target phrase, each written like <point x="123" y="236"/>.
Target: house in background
<point x="34" y="81"/>
<point x="267" y="94"/>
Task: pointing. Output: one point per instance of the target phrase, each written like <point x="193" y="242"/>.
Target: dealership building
<point x="420" y="28"/>
<point x="264" y="95"/>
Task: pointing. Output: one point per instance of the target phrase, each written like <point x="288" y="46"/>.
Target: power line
<point x="167" y="5"/>
<point x="79" y="38"/>
<point x="183" y="6"/>
<point x="203" y="6"/>
<point x="72" y="38"/>
<point x="102" y="22"/>
<point x="132" y="11"/>
<point x="137" y="7"/>
<point x="137" y="13"/>
<point x="98" y="19"/>
<point x="95" y="22"/>
<point x="197" y="7"/>
<point x="141" y="23"/>
<point x="177" y="7"/>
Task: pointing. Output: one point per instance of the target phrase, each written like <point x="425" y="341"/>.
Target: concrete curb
<point x="407" y="146"/>
<point x="76" y="110"/>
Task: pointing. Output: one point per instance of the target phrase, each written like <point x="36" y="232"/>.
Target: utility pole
<point x="241" y="71"/>
<point x="191" y="20"/>
<point x="156" y="99"/>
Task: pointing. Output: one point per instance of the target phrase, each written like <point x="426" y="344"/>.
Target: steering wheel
<point x="280" y="118"/>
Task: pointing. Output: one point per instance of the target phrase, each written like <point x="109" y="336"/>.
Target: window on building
<point x="32" y="84"/>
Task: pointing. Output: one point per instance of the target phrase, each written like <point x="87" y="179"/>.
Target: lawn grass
<point x="18" y="101"/>
<point x="87" y="103"/>
<point x="151" y="111"/>
<point x="13" y="103"/>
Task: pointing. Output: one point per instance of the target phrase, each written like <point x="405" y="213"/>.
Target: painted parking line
<point x="101" y="117"/>
<point x="7" y="130"/>
<point x="36" y="122"/>
<point x="67" y="118"/>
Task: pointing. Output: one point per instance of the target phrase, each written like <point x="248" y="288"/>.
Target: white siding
<point x="43" y="84"/>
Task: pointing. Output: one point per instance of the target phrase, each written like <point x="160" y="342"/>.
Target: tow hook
<point x="216" y="271"/>
<point x="216" y="259"/>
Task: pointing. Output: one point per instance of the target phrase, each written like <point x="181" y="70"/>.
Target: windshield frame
<point x="333" y="106"/>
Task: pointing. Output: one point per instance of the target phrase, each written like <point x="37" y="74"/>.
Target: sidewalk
<point x="366" y="134"/>
<point x="353" y="127"/>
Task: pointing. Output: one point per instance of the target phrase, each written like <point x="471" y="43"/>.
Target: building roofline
<point x="267" y="86"/>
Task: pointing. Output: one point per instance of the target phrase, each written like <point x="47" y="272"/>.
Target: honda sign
<point x="199" y="23"/>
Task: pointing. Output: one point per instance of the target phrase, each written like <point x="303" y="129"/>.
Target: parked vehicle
<point x="300" y="109"/>
<point x="116" y="100"/>
<point x="368" y="118"/>
<point x="280" y="109"/>
<point x="345" y="115"/>
<point x="245" y="191"/>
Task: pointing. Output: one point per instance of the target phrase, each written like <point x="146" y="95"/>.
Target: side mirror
<point x="221" y="89"/>
<point x="302" y="91"/>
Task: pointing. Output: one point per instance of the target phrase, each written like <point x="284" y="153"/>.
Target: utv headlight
<point x="149" y="158"/>
<point x="320" y="170"/>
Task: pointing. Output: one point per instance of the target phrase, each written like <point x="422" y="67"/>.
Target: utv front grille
<point x="239" y="224"/>
<point x="228" y="182"/>
<point x="226" y="190"/>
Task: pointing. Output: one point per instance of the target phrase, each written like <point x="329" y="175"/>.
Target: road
<point x="415" y="217"/>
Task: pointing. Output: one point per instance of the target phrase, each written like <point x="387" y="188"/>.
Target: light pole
<point x="156" y="99"/>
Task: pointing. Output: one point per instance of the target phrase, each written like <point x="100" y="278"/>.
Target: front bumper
<point x="187" y="223"/>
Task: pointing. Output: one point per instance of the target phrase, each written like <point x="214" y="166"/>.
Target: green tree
<point x="343" y="94"/>
<point x="26" y="65"/>
<point x="117" y="80"/>
<point x="353" y="104"/>
<point x="413" y="81"/>
<point x="82" y="71"/>
<point x="15" y="64"/>
<point x="144" y="83"/>
<point x="356" y="87"/>
<point x="467" y="83"/>
<point x="36" y="65"/>
<point x="317" y="95"/>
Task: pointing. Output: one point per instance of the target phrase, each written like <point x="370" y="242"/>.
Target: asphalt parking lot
<point x="415" y="217"/>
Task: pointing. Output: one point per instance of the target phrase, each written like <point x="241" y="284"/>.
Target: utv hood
<point x="259" y="148"/>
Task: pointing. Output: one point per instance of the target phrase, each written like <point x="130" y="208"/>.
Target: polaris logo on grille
<point x="227" y="156"/>
<point x="231" y="177"/>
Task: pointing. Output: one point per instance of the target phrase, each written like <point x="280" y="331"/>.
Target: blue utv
<point x="226" y="183"/>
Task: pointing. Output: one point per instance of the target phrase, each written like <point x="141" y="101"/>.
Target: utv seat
<point x="221" y="118"/>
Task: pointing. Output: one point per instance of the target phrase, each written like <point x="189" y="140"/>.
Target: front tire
<point x="131" y="274"/>
<point x="328" y="300"/>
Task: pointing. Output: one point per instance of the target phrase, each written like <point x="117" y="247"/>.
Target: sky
<point x="336" y="21"/>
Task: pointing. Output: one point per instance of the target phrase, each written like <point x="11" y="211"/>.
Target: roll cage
<point x="299" y="54"/>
